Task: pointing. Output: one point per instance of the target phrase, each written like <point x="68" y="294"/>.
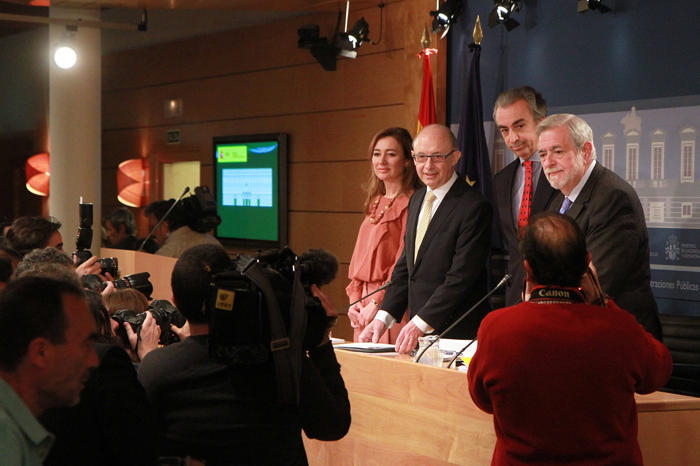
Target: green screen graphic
<point x="247" y="190"/>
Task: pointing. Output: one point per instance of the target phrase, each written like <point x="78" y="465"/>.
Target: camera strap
<point x="287" y="374"/>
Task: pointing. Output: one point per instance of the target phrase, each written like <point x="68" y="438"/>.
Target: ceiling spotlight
<point x="445" y="16"/>
<point x="585" y="5"/>
<point x="65" y="56"/>
<point x="501" y="12"/>
<point x="350" y="41"/>
<point x="323" y="51"/>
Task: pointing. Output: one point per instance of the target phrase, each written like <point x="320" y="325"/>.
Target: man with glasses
<point x="442" y="270"/>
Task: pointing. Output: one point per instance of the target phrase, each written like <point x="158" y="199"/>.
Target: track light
<point x="65" y="56"/>
<point x="585" y="5"/>
<point x="501" y="13"/>
<point x="350" y="41"/>
<point x="445" y="16"/>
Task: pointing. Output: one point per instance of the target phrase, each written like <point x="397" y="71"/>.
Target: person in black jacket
<point x="113" y="424"/>
<point x="229" y="414"/>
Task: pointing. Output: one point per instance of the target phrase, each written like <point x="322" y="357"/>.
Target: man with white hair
<point x="608" y="211"/>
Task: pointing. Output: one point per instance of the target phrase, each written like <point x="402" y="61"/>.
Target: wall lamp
<point x="37" y="170"/>
<point x="445" y="16"/>
<point x="585" y="5"/>
<point x="501" y="12"/>
<point x="65" y="56"/>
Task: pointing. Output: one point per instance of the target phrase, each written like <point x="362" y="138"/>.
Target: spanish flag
<point x="426" y="114"/>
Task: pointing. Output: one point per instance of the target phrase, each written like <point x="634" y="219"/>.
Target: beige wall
<point x="256" y="80"/>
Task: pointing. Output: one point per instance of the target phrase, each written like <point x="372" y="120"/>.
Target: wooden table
<point x="412" y="414"/>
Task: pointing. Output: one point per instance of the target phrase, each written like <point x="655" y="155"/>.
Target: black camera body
<point x="200" y="209"/>
<point x="165" y="314"/>
<point x="238" y="310"/>
<point x="83" y="242"/>
<point x="138" y="281"/>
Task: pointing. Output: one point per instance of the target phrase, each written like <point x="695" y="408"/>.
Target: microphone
<point x="383" y="287"/>
<point x="184" y="191"/>
<point x="503" y="281"/>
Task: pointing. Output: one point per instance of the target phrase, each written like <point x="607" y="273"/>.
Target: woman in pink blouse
<point x="379" y="244"/>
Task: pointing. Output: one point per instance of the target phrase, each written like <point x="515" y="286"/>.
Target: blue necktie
<point x="565" y="205"/>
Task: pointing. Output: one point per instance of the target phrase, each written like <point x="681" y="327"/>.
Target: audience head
<point x="119" y="224"/>
<point x="554" y="250"/>
<point x="28" y="233"/>
<point x="192" y="276"/>
<point x="126" y="299"/>
<point x="155" y="212"/>
<point x="105" y="325"/>
<point x="431" y="141"/>
<point x="46" y="348"/>
<point x="566" y="149"/>
<point x="48" y="263"/>
<point x="517" y="113"/>
<point x="390" y="154"/>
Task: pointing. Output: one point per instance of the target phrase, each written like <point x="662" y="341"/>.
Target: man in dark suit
<point x="442" y="270"/>
<point x="520" y="189"/>
<point x="608" y="211"/>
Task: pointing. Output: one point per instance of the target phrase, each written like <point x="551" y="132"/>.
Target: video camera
<point x="163" y="311"/>
<point x="200" y="210"/>
<point x="256" y="300"/>
<point x="138" y="281"/>
<point x="83" y="242"/>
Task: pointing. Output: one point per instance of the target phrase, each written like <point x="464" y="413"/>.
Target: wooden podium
<point x="160" y="268"/>
<point x="413" y="414"/>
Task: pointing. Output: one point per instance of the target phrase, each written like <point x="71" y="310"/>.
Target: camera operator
<point x="29" y="233"/>
<point x="175" y="234"/>
<point x="229" y="414"/>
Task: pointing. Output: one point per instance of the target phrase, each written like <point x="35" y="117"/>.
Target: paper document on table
<point x="367" y="347"/>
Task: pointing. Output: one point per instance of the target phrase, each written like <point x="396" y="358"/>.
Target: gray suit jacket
<point x="449" y="273"/>
<point x="610" y="214"/>
<point x="502" y="193"/>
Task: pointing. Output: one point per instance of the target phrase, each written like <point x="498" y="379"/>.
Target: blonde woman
<point x="379" y="243"/>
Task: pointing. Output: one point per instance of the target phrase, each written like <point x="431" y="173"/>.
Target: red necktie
<point x="527" y="196"/>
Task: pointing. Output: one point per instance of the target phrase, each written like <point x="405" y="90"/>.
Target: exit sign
<point x="173" y="136"/>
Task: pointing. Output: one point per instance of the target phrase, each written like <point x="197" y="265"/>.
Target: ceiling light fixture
<point x="445" y="16"/>
<point x="65" y="56"/>
<point x="501" y="14"/>
<point x="325" y="51"/>
<point x="585" y="5"/>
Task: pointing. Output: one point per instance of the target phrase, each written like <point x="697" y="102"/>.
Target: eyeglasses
<point x="437" y="158"/>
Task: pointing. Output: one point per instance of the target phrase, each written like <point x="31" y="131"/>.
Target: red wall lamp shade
<point x="37" y="169"/>
<point x="132" y="177"/>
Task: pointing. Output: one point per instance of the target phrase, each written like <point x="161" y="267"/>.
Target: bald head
<point x="435" y="140"/>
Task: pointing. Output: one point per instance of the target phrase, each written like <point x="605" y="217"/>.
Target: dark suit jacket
<point x="449" y="274"/>
<point x="502" y="193"/>
<point x="611" y="216"/>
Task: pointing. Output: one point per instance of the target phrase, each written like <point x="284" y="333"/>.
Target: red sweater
<point x="560" y="383"/>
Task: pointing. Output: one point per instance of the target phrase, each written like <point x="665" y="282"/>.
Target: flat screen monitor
<point x="250" y="181"/>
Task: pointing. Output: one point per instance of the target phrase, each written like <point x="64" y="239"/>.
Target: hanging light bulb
<point x="65" y="56"/>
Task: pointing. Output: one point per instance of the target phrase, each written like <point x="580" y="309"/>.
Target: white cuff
<point x="385" y="318"/>
<point x="422" y="325"/>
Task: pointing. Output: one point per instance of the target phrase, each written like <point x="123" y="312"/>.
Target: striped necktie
<point x="565" y="205"/>
<point x="424" y="221"/>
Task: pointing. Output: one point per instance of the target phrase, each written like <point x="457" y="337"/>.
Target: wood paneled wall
<point x="256" y="80"/>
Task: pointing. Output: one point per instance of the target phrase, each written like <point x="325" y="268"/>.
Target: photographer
<point x="29" y="233"/>
<point x="229" y="414"/>
<point x="175" y="234"/>
<point x="559" y="372"/>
